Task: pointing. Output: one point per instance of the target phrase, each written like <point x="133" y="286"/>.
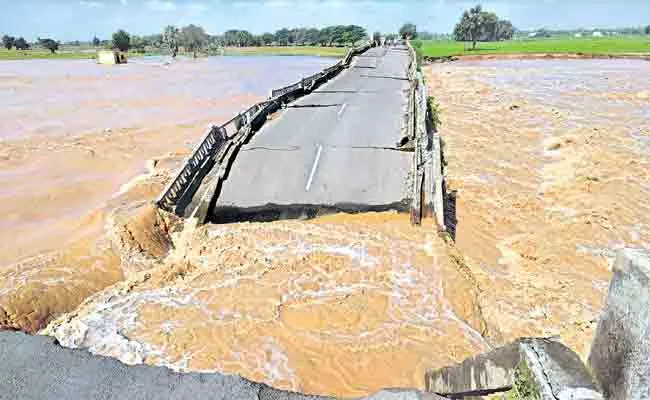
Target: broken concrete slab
<point x="486" y="373"/>
<point x="556" y="372"/>
<point x="620" y="353"/>
<point x="542" y="368"/>
<point x="36" y="367"/>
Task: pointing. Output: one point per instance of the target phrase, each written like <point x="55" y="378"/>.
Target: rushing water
<point x="72" y="132"/>
<point x="549" y="165"/>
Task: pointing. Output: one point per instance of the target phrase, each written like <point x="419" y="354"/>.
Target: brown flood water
<point x="550" y="164"/>
<point x="550" y="161"/>
<point x="73" y="133"/>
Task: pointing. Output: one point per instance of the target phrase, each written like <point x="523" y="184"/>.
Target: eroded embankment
<point x="550" y="165"/>
<point x="340" y="305"/>
<point x="39" y="288"/>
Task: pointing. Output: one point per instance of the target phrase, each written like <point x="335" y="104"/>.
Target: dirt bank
<point x="550" y="164"/>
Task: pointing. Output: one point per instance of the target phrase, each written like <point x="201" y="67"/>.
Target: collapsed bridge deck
<point x="335" y="147"/>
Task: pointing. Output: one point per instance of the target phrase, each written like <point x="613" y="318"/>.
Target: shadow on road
<point x="276" y="212"/>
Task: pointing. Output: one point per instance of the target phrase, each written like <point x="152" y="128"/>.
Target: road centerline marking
<point x="313" y="168"/>
<point x="341" y="110"/>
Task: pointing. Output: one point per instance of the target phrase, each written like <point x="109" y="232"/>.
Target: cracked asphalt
<point x="334" y="146"/>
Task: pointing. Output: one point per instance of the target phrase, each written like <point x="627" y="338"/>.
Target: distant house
<point x="597" y="34"/>
<point x="111" y="57"/>
<point x="578" y="35"/>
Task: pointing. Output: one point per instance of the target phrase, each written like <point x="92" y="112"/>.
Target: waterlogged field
<point x="595" y="46"/>
<point x="548" y="162"/>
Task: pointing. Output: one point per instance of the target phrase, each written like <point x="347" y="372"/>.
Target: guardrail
<point x="225" y="138"/>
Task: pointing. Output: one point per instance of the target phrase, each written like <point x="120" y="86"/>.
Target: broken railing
<point x="227" y="137"/>
<point x="426" y="171"/>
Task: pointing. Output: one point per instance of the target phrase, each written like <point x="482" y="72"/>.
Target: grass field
<point x="287" y="51"/>
<point x="599" y="46"/>
<point x="14" y="54"/>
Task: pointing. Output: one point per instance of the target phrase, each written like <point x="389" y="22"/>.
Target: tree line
<point x="10" y="42"/>
<point x="193" y="38"/>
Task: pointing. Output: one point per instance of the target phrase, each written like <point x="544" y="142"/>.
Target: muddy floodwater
<point x="73" y="132"/>
<point x="549" y="162"/>
<point x="548" y="169"/>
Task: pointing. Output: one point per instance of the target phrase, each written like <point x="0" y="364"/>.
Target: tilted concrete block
<point x="620" y="353"/>
<point x="542" y="368"/>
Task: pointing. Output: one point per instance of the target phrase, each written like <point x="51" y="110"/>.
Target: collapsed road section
<point x="336" y="149"/>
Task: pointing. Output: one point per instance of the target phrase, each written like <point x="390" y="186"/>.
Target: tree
<point x="647" y="30"/>
<point x="505" y="30"/>
<point x="408" y="31"/>
<point x="193" y="38"/>
<point x="267" y="38"/>
<point x="282" y="36"/>
<point x="170" y="39"/>
<point x="96" y="41"/>
<point x="121" y="40"/>
<point x="50" y="44"/>
<point x="376" y="38"/>
<point x="21" y="44"/>
<point x="312" y="36"/>
<point x="137" y="43"/>
<point x="474" y="24"/>
<point x="8" y="41"/>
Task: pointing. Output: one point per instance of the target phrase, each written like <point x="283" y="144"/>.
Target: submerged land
<point x="547" y="168"/>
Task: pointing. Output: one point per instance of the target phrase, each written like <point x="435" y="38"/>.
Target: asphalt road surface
<point x="334" y="146"/>
<point x="36" y="368"/>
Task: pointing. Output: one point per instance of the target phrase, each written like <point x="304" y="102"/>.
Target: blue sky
<point x="81" y="19"/>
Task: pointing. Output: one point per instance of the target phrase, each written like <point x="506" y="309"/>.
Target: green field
<point x="14" y="54"/>
<point x="599" y="46"/>
<point x="287" y="51"/>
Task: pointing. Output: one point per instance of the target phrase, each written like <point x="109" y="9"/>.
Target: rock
<point x="538" y="368"/>
<point x="620" y="353"/>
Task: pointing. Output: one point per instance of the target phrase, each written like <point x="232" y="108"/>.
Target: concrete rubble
<point x="533" y="368"/>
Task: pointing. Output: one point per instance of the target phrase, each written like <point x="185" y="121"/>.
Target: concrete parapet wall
<point x="620" y="353"/>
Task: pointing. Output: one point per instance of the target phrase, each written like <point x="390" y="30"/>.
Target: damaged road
<point x="338" y="145"/>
